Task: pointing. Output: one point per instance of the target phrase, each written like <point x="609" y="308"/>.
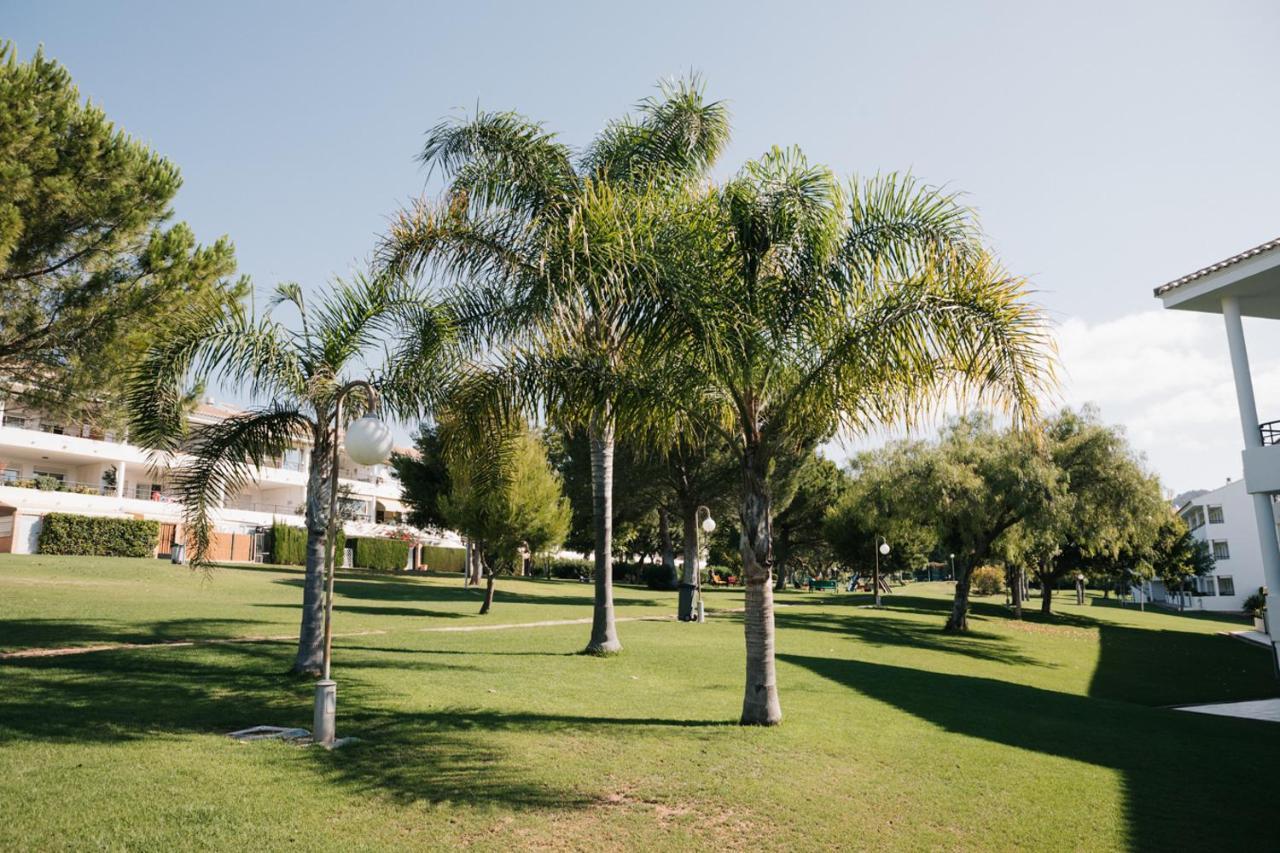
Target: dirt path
<point x="179" y="644"/>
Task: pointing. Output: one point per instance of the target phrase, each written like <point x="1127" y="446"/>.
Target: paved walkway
<point x="1255" y="637"/>
<point x="1267" y="710"/>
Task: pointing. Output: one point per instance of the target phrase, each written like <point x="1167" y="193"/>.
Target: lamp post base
<point x="322" y="725"/>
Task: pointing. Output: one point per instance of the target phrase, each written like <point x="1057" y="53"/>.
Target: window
<point x="1220" y="550"/>
<point x="56" y="429"/>
<point x="1194" y="517"/>
<point x="61" y="478"/>
<point x="1226" y="585"/>
<point x="1215" y="515"/>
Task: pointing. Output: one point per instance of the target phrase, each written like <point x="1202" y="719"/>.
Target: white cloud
<point x="1166" y="376"/>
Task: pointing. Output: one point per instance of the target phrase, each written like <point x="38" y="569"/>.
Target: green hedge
<point x="442" y="559"/>
<point x="569" y="569"/>
<point x="94" y="536"/>
<point x="289" y="545"/>
<point x="658" y="576"/>
<point x="381" y="555"/>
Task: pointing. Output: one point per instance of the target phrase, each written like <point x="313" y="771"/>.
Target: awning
<point x="389" y="505"/>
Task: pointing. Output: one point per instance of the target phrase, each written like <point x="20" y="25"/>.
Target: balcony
<point x="1262" y="464"/>
<point x="1270" y="432"/>
<point x="13" y="478"/>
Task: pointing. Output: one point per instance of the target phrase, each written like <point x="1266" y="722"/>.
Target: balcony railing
<point x="1270" y="432"/>
<point x="13" y="477"/>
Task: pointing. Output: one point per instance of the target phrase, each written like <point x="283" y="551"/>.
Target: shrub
<point x="95" y="536"/>
<point x="381" y="555"/>
<point x="1255" y="604"/>
<point x="289" y="545"/>
<point x="442" y="559"/>
<point x="988" y="580"/>
<point x="570" y="569"/>
<point x="658" y="576"/>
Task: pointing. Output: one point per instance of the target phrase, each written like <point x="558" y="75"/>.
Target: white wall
<point x="1238" y="530"/>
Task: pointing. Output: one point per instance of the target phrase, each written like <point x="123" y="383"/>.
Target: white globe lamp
<point x="368" y="441"/>
<point x="884" y="548"/>
<point x="708" y="525"/>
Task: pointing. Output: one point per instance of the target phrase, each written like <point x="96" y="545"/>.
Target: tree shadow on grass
<point x="17" y="634"/>
<point x="368" y="610"/>
<point x="882" y="630"/>
<point x="1168" y="758"/>
<point x="429" y="756"/>
<point x="386" y="589"/>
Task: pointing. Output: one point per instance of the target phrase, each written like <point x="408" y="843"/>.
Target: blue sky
<point x="1108" y="146"/>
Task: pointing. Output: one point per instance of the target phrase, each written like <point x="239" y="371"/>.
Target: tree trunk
<point x="689" y="573"/>
<point x="488" y="592"/>
<point x="959" y="619"/>
<point x="604" y="632"/>
<point x="310" y="657"/>
<point x="1017" y="593"/>
<point x="1046" y="596"/>
<point x="760" y="705"/>
<point x="668" y="550"/>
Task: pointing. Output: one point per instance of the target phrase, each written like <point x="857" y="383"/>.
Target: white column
<point x="120" y="479"/>
<point x="1240" y="370"/>
<point x="1264" y="517"/>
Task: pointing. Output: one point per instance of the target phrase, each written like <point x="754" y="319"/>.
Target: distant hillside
<point x="1189" y="495"/>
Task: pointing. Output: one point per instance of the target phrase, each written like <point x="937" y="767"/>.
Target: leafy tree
<point x="89" y="273"/>
<point x="424" y="478"/>
<point x="804" y="308"/>
<point x="698" y="471"/>
<point x="525" y="510"/>
<point x="570" y="452"/>
<point x="799" y="526"/>
<point x="878" y="502"/>
<point x="295" y="375"/>
<point x="978" y="483"/>
<point x="550" y="246"/>
<point x="1109" y="506"/>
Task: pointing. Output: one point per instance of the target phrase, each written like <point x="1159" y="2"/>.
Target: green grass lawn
<point x="1041" y="734"/>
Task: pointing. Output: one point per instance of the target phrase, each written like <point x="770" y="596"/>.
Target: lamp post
<point x="882" y="550"/>
<point x="953" y="566"/>
<point x="707" y="527"/>
<point x="368" y="442"/>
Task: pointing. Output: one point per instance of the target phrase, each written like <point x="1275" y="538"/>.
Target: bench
<point x="824" y="586"/>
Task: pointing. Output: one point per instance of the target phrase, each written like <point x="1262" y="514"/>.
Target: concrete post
<point x="1264" y="517"/>
<point x="120" y="472"/>
<point x="325" y="710"/>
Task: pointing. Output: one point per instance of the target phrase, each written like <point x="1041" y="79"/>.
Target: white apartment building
<point x="47" y="465"/>
<point x="1244" y="285"/>
<point x="1224" y="520"/>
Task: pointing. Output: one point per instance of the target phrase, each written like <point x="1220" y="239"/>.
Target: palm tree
<point x="546" y="244"/>
<point x="813" y="309"/>
<point x="294" y="376"/>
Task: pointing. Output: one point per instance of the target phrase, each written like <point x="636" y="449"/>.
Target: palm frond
<point x="201" y="345"/>
<point x="501" y="159"/>
<point x="677" y="134"/>
<point x="222" y="460"/>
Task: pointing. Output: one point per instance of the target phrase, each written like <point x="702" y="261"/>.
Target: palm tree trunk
<point x="668" y="550"/>
<point x="604" y="632"/>
<point x="689" y="573"/>
<point x="310" y="657"/>
<point x="760" y="705"/>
